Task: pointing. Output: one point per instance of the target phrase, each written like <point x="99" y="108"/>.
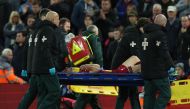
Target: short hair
<point x="143" y="21"/>
<point x="157" y="6"/>
<point x="43" y="12"/>
<point x="30" y="16"/>
<point x="6" y="51"/>
<point x="91" y="17"/>
<point x="63" y="20"/>
<point x="24" y="33"/>
<point x="36" y="2"/>
<point x="92" y="28"/>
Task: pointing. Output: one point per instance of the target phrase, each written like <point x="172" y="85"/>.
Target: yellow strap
<point x="89" y="43"/>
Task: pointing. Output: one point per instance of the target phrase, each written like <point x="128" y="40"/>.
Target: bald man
<point x="155" y="63"/>
<point x="45" y="52"/>
<point x="43" y="62"/>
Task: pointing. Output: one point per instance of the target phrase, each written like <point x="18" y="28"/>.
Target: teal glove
<point x="171" y="70"/>
<point x="52" y="71"/>
<point x="24" y="73"/>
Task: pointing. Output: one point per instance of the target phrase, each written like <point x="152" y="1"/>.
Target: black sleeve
<point x="164" y="50"/>
<point x="121" y="53"/>
<point x="49" y="46"/>
<point x="63" y="46"/>
<point x="63" y="52"/>
<point x="25" y="53"/>
<point x="124" y="50"/>
<point x="179" y="44"/>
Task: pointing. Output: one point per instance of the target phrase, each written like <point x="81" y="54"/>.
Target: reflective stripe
<point x="8" y="73"/>
<point x="2" y="74"/>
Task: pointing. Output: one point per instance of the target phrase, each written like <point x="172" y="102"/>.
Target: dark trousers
<point x="46" y="88"/>
<point x="124" y="93"/>
<point x="49" y="92"/>
<point x="84" y="99"/>
<point x="153" y="99"/>
<point x="30" y="94"/>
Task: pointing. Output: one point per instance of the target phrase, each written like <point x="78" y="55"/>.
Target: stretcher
<point x="99" y="83"/>
<point x="101" y="79"/>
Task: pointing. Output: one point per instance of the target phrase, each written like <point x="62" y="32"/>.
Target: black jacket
<point x="28" y="52"/>
<point x="111" y="52"/>
<point x="155" y="57"/>
<point x="17" y="60"/>
<point x="45" y="48"/>
<point x="184" y="45"/>
<point x="127" y="47"/>
<point x="60" y="63"/>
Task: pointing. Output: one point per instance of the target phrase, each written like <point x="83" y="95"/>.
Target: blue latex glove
<point x="24" y="73"/>
<point x="52" y="71"/>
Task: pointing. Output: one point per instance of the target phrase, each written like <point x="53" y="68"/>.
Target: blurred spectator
<point x="132" y="12"/>
<point x="172" y="27"/>
<point x="184" y="41"/>
<point x="122" y="6"/>
<point x="25" y="9"/>
<point x="14" y="4"/>
<point x="157" y="9"/>
<point x="188" y="70"/>
<point x="81" y="8"/>
<point x="165" y="4"/>
<point x="183" y="7"/>
<point x="30" y="23"/>
<point x="106" y="45"/>
<point x="63" y="7"/>
<point x="6" y="70"/>
<point x="105" y="18"/>
<point x="36" y="7"/>
<point x="12" y="27"/>
<point x="88" y="20"/>
<point x="45" y="3"/>
<point x="133" y="17"/>
<point x="18" y="51"/>
<point x="145" y="8"/>
<point x="184" y="38"/>
<point x="118" y="34"/>
<point x="5" y="10"/>
<point x="65" y="25"/>
<point x="179" y="67"/>
<point x="31" y="7"/>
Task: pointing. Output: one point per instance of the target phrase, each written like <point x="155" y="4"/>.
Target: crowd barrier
<point x="180" y="92"/>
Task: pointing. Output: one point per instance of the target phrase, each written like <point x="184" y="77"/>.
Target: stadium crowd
<point x="110" y="18"/>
